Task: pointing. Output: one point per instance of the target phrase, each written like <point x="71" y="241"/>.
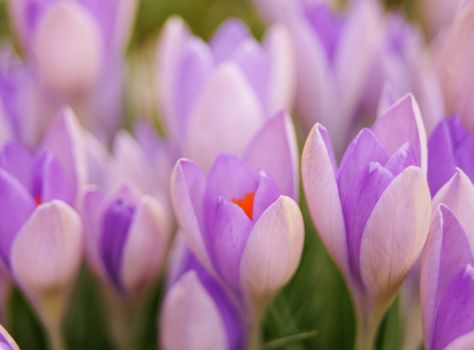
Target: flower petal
<point x="19" y="162"/>
<point x="187" y="192"/>
<point x="54" y="234"/>
<point x="266" y="194"/>
<point x="227" y="234"/>
<point x="322" y="194"/>
<point x="188" y="307"/>
<point x="146" y="245"/>
<point x="226" y="117"/>
<point x="65" y="141"/>
<point x="281" y="81"/>
<point x="465" y="156"/>
<point x="463" y="342"/>
<point x="455" y="317"/>
<point x="316" y="87"/>
<point x="230" y="178"/>
<point x="276" y="137"/>
<point x="196" y="64"/>
<point x="273" y="250"/>
<point x="6" y="341"/>
<point x="454" y="65"/>
<point x="16" y="207"/>
<point x="362" y="34"/>
<point x="228" y="37"/>
<point x="68" y="48"/>
<point x="401" y="123"/>
<point x="458" y="195"/>
<point x="50" y="182"/>
<point x="446" y="253"/>
<point x="174" y="35"/>
<point x="115" y="230"/>
<point x="395" y="234"/>
<point x="441" y="161"/>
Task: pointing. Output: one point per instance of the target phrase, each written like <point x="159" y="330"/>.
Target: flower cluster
<point x="195" y="210"/>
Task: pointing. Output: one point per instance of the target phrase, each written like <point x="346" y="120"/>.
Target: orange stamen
<point x="38" y="200"/>
<point x="246" y="203"/>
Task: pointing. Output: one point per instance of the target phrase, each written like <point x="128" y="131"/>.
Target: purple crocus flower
<point x="196" y="301"/>
<point x="455" y="53"/>
<point x="215" y="97"/>
<point x="127" y="235"/>
<point x="6" y="341"/>
<point x="447" y="274"/>
<point x="76" y="49"/>
<point x="450" y="146"/>
<point x="330" y="77"/>
<point x="38" y="191"/>
<point x="401" y="64"/>
<point x="372" y="211"/>
<point x="241" y="221"/>
<point x="28" y="180"/>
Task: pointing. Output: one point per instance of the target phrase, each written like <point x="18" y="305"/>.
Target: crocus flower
<point x="401" y="64"/>
<point x="197" y="303"/>
<point x="455" y="54"/>
<point x="450" y="146"/>
<point x="240" y="221"/>
<point x="330" y="78"/>
<point x="447" y="274"/>
<point x="373" y="211"/>
<point x="127" y="235"/>
<point x="6" y="341"/>
<point x="76" y="48"/>
<point x="215" y="97"/>
<point x="127" y="222"/>
<point x="38" y="191"/>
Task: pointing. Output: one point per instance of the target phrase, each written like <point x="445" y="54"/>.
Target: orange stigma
<point x="246" y="203"/>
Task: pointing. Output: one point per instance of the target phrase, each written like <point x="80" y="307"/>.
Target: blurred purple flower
<point x="447" y="274"/>
<point x="76" y="48"/>
<point x="215" y="97"/>
<point x="372" y="212"/>
<point x="353" y="63"/>
<point x="401" y="64"/>
<point x="28" y="179"/>
<point x="39" y="190"/>
<point x="127" y="237"/>
<point x="330" y="77"/>
<point x="450" y="146"/>
<point x="455" y="52"/>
